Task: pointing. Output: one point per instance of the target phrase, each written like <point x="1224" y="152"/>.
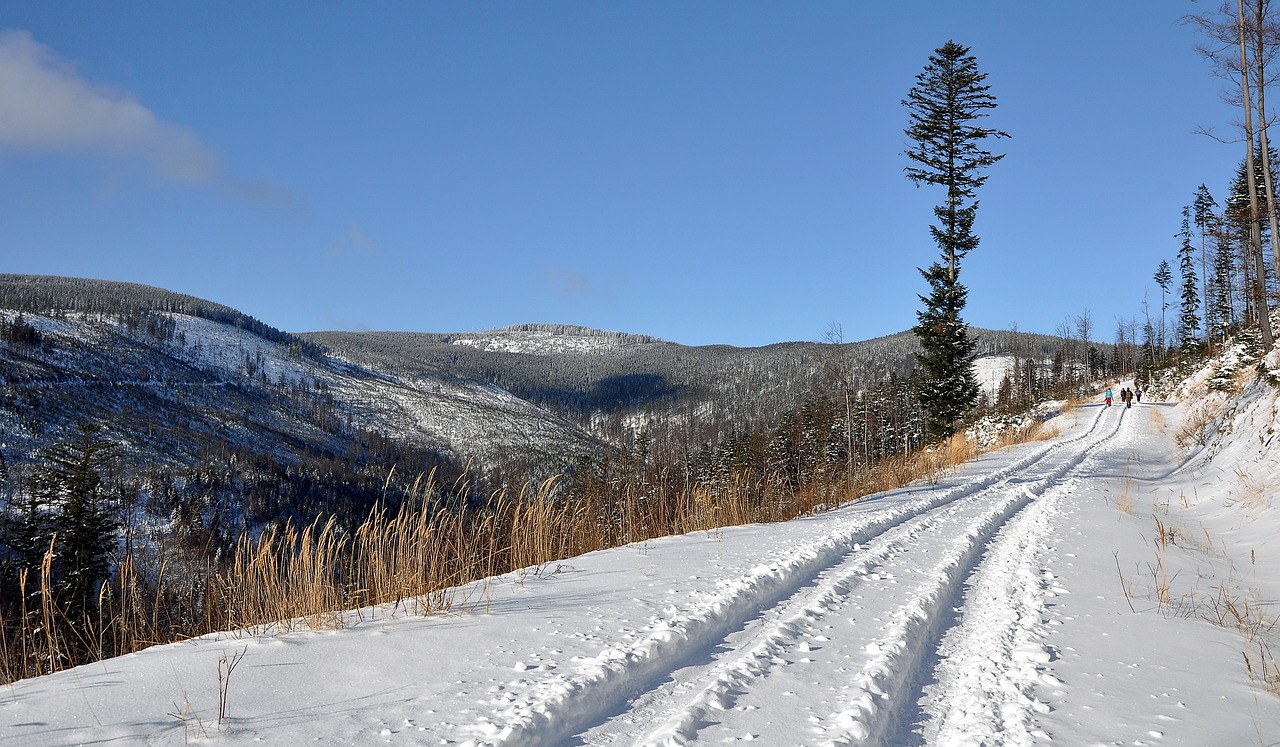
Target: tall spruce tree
<point x="1163" y="277"/>
<point x="1189" y="316"/>
<point x="943" y="107"/>
<point x="1224" y="305"/>
<point x="1206" y="223"/>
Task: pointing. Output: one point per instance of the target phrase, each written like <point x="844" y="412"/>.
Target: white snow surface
<point x="990" y="371"/>
<point x="544" y="342"/>
<point x="1077" y="591"/>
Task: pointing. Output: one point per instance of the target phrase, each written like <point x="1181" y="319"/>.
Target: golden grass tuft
<point x="1157" y="424"/>
<point x="1197" y="428"/>
<point x="1253" y="491"/>
<point x="1124" y="499"/>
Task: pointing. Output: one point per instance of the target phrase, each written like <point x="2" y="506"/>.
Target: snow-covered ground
<point x="1105" y="587"/>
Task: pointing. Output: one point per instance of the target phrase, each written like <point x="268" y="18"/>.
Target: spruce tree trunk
<point x="1255" y="213"/>
<point x="1261" y="54"/>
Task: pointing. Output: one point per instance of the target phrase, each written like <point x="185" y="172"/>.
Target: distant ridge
<point x="43" y="294"/>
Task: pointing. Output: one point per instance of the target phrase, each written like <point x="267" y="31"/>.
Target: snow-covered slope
<point x="1105" y="587"/>
<point x="215" y="359"/>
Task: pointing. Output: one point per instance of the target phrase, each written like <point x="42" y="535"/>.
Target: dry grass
<point x="226" y="666"/>
<point x="958" y="450"/>
<point x="418" y="559"/>
<point x="1262" y="668"/>
<point x="1036" y="432"/>
<point x="1229" y="605"/>
<point x="1071" y="409"/>
<point x="1253" y="491"/>
<point x="1160" y="571"/>
<point x="1124" y="499"/>
<point x="1157" y="420"/>
<point x="1197" y="429"/>
<point x="1234" y="609"/>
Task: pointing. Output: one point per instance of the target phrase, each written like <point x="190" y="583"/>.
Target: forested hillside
<point x="51" y="294"/>
<point x="223" y="420"/>
<point x="617" y="384"/>
<point x="143" y="431"/>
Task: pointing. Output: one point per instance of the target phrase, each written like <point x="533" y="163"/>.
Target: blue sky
<point x="706" y="172"/>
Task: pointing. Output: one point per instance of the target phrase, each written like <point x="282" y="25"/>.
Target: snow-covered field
<point x="1105" y="587"/>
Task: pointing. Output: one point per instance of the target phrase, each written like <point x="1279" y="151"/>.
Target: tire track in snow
<point x="896" y="656"/>
<point x="737" y="674"/>
<point x="558" y="706"/>
<point x="990" y="664"/>
<point x="886" y="692"/>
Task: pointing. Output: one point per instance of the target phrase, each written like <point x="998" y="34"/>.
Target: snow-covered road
<point x="855" y="620"/>
<point x="1001" y="605"/>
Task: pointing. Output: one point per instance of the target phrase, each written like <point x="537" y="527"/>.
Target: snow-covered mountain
<point x="1113" y="585"/>
<point x="101" y="352"/>
<point x="204" y="399"/>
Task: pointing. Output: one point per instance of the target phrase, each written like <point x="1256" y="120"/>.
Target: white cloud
<point x="565" y="282"/>
<point x="46" y="107"/>
<point x="355" y="242"/>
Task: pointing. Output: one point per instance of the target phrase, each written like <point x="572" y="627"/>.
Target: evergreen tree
<point x="70" y="484"/>
<point x="1163" y="277"/>
<point x="1189" y="317"/>
<point x="1147" y="361"/>
<point x="1242" y="46"/>
<point x="943" y="106"/>
<point x="1242" y="222"/>
<point x="1206" y="223"/>
<point x="28" y="528"/>
<point x="1224" y="307"/>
